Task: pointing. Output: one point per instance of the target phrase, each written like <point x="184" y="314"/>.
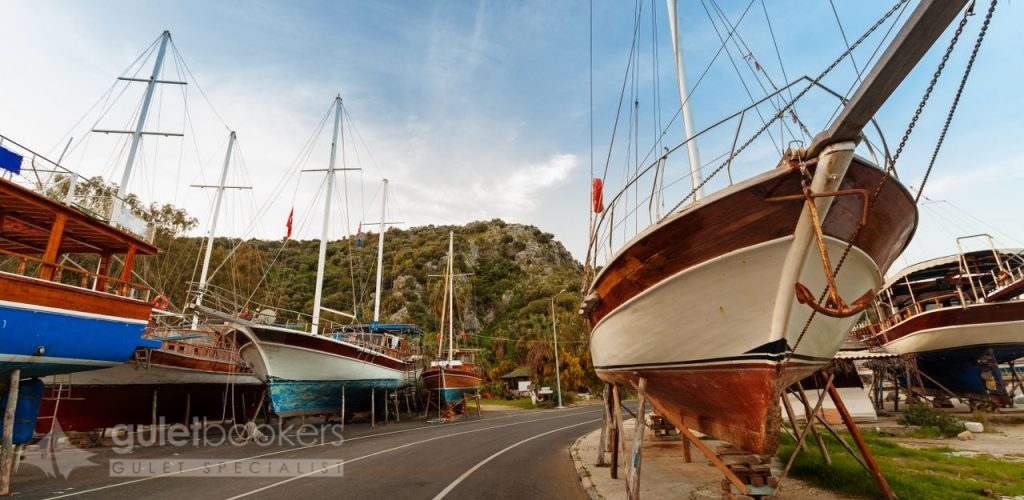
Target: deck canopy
<point x="26" y="218"/>
<point x="941" y="275"/>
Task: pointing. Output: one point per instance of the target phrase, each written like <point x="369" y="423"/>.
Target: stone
<point x="965" y="436"/>
<point x="974" y="427"/>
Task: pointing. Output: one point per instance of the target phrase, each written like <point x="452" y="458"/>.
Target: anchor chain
<point x="890" y="169"/>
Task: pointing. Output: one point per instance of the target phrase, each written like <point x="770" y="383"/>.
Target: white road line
<point x="320" y="471"/>
<point x="473" y="469"/>
<point x="289" y="450"/>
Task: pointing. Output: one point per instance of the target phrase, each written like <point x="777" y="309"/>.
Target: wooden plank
<point x="616" y="431"/>
<point x="633" y="478"/>
<point x="57" y="295"/>
<point x="710" y="455"/>
<point x="7" y="453"/>
<point x="873" y="467"/>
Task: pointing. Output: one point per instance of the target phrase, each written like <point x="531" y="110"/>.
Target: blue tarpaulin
<point x="9" y="160"/>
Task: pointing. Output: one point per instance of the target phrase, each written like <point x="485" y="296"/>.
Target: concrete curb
<point x="582" y="472"/>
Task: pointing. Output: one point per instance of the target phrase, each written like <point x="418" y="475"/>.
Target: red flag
<point x="597" y="195"/>
<point x="289" y="223"/>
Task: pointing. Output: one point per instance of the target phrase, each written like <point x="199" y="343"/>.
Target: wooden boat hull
<point x="168" y="368"/>
<point x="86" y="407"/>
<point x="51" y="328"/>
<point x="451" y="384"/>
<point x="960" y="348"/>
<point x="974" y="326"/>
<point x="693" y="304"/>
<point x="305" y="373"/>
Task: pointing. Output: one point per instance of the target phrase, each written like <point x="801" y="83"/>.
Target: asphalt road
<point x="502" y="455"/>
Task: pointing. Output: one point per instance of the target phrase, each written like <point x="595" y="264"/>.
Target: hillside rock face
<point x="505" y="267"/>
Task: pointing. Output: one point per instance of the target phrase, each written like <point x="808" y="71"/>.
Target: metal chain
<point x="956" y="100"/>
<point x="790" y="104"/>
<point x="890" y="168"/>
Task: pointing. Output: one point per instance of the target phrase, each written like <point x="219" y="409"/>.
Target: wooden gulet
<point x="691" y="365"/>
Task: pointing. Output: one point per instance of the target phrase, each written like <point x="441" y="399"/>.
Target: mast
<point x="444" y="311"/>
<point x="318" y="295"/>
<point x="137" y="134"/>
<point x="451" y="299"/>
<point x="213" y="227"/>
<point x="380" y="253"/>
<point x="684" y="101"/>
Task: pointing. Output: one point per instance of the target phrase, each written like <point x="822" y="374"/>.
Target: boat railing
<point x="246" y="308"/>
<point x="29" y="266"/>
<point x="617" y="220"/>
<point x="903" y="314"/>
<point x="193" y="343"/>
<point x="375" y="342"/>
<point x="57" y="182"/>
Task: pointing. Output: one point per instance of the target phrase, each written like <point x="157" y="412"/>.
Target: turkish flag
<point x="291" y="215"/>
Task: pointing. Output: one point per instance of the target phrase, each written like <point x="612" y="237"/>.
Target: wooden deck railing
<point x="23" y="265"/>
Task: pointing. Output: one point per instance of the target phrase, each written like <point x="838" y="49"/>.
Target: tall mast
<point x="444" y="313"/>
<point x="684" y="100"/>
<point x="380" y="252"/>
<point x="137" y="134"/>
<point x="213" y="226"/>
<point x="451" y="299"/>
<point x="318" y="295"/>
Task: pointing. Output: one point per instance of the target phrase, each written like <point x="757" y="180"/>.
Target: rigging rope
<point x="956" y="100"/>
<point x="792" y="102"/>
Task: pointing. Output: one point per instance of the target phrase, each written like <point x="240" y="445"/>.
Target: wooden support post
<point x="373" y="407"/>
<point x="154" y="410"/>
<point x="814" y="428"/>
<point x="616" y="431"/>
<point x="686" y="448"/>
<point x="398" y="410"/>
<point x="342" y="408"/>
<point x="791" y="414"/>
<point x="605" y="417"/>
<point x="188" y="407"/>
<point x="633" y="478"/>
<point x="223" y="405"/>
<point x="387" y="411"/>
<point x="408" y="408"/>
<point x="19" y="451"/>
<point x="803" y="433"/>
<point x="876" y="472"/>
<point x="710" y="455"/>
<point x="7" y="452"/>
<point x="479" y="413"/>
<point x="827" y="426"/>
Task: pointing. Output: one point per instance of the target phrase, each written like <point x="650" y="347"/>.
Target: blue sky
<point x="477" y="110"/>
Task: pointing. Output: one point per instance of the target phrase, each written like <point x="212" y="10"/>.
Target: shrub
<point x="924" y="416"/>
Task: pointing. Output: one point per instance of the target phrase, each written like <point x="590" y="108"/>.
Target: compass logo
<point x="56" y="456"/>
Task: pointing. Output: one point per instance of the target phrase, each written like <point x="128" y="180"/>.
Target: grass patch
<point x="928" y="473"/>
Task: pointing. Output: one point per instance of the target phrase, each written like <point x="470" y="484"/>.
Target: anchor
<point x="834" y="306"/>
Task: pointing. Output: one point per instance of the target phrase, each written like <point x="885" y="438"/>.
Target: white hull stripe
<point x="70" y="312"/>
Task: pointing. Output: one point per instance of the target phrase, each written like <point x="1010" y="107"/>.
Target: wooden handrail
<point x="113" y="285"/>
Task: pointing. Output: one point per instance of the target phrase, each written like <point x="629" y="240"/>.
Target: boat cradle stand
<point x="747" y="475"/>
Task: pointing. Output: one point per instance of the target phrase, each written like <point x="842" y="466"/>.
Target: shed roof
<point x="521" y="372"/>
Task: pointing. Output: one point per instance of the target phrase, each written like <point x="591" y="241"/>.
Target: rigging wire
<point x="791" y="102"/>
<point x="959" y="91"/>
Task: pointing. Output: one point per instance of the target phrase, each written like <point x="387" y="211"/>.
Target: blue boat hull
<point x="316" y="397"/>
<point x="47" y="341"/>
<point x="962" y="372"/>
